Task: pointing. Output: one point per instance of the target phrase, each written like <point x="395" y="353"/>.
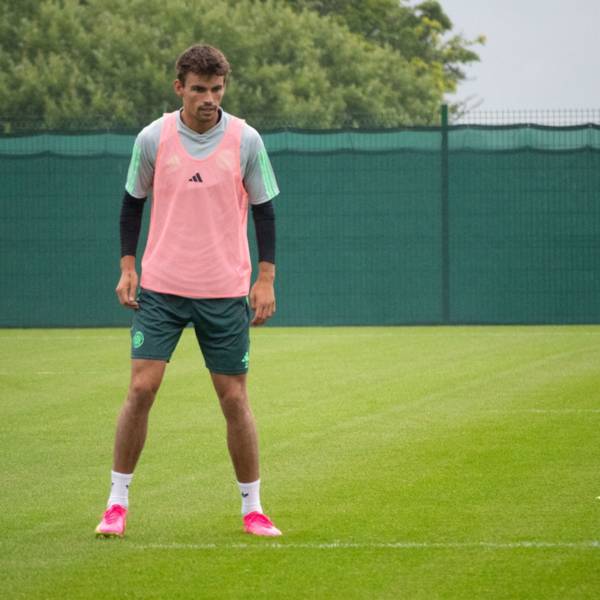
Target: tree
<point x="419" y="33"/>
<point x="108" y="63"/>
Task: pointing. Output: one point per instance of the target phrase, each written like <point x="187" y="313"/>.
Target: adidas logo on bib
<point x="196" y="178"/>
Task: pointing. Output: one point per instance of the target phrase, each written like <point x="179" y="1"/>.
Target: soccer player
<point x="204" y="167"/>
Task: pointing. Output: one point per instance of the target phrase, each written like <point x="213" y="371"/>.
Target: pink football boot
<point x="259" y="524"/>
<point x="113" y="522"/>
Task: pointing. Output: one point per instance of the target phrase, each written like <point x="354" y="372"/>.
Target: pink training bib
<point x="198" y="243"/>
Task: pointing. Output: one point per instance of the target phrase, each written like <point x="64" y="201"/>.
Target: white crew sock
<point x="119" y="491"/>
<point x="250" y="493"/>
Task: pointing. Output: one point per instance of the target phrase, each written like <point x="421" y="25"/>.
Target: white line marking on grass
<point x="543" y="411"/>
<point x="375" y="546"/>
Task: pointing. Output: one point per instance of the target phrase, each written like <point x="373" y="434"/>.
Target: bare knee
<point x="142" y="393"/>
<point x="235" y="406"/>
<point x="146" y="376"/>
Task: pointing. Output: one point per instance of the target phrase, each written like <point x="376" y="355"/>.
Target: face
<point x="201" y="95"/>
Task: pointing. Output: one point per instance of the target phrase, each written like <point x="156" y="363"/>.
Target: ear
<point x="178" y="87"/>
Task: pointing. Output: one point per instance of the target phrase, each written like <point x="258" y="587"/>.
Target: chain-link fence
<point x="544" y="117"/>
<point x="22" y="125"/>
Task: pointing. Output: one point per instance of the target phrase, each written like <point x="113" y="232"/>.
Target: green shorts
<point x="221" y="325"/>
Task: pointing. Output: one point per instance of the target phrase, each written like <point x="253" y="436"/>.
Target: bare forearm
<point x="262" y="294"/>
<point x="266" y="272"/>
<point x="128" y="283"/>
<point x="127" y="263"/>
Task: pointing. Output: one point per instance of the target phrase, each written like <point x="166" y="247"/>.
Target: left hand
<point x="262" y="301"/>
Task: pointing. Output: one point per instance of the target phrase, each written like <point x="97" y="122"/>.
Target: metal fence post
<point x="445" y="219"/>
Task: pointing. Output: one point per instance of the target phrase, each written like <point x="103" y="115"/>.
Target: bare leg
<point x="242" y="439"/>
<point x="132" y="424"/>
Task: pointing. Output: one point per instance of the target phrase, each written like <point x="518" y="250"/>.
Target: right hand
<point x="127" y="289"/>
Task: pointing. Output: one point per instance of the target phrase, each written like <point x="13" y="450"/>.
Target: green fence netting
<point x="497" y="225"/>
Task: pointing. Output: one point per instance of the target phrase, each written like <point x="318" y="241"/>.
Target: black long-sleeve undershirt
<point x="130" y="222"/>
<point x="264" y="225"/>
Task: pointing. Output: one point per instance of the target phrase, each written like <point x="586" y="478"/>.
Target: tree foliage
<point x="420" y="33"/>
<point x="102" y="63"/>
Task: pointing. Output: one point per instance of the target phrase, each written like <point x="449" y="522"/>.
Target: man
<point x="204" y="167"/>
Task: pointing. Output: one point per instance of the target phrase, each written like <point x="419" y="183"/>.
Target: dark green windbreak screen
<point x="525" y="236"/>
<point x="358" y="238"/>
<point x="363" y="237"/>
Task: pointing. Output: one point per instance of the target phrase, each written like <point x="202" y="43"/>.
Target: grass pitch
<point x="399" y="463"/>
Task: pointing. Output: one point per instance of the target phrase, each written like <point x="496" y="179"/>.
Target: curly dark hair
<point x="201" y="60"/>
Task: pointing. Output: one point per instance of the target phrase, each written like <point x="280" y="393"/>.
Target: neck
<point x="197" y="125"/>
